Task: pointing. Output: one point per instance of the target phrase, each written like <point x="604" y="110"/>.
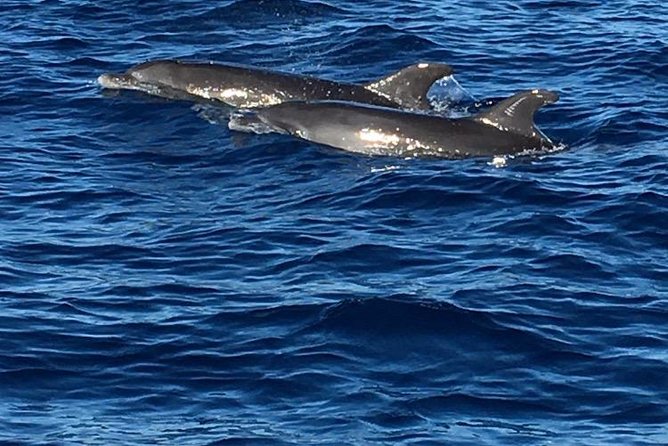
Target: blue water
<point x="164" y="280"/>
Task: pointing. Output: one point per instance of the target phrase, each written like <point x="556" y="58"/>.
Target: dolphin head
<point x="288" y="117"/>
<point x="143" y="76"/>
<point x="120" y="81"/>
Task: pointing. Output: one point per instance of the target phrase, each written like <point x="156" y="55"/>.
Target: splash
<point x="384" y="169"/>
<point x="211" y="114"/>
<point x="449" y="98"/>
<point x="499" y="161"/>
<point x="248" y="122"/>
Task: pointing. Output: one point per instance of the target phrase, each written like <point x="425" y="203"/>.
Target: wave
<point x="257" y="14"/>
<point x="352" y="46"/>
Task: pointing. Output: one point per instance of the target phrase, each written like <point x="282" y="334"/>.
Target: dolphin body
<point x="507" y="128"/>
<point x="251" y="87"/>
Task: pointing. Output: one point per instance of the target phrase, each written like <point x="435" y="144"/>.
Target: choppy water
<point x="164" y="280"/>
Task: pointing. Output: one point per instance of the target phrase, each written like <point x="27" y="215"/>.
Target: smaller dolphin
<point x="507" y="128"/>
<point x="250" y="87"/>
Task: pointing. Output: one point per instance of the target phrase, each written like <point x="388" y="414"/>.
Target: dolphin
<point x="251" y="87"/>
<point x="506" y="128"/>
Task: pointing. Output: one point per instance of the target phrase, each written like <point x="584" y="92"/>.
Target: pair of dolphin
<point x="384" y="117"/>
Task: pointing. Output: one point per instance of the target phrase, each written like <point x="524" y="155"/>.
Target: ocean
<point x="165" y="280"/>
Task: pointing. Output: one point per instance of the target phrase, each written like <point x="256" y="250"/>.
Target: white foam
<point x="384" y="169"/>
<point x="499" y="161"/>
<point x="248" y="123"/>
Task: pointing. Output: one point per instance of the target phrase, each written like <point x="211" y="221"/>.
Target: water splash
<point x="247" y="121"/>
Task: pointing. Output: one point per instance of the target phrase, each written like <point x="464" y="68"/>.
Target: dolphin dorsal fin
<point x="409" y="86"/>
<point x="516" y="112"/>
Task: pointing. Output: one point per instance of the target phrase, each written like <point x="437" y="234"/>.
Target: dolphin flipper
<point x="516" y="112"/>
<point x="410" y="85"/>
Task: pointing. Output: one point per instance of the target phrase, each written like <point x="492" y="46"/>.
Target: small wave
<point x="65" y="43"/>
<point x="65" y="199"/>
<point x="491" y="405"/>
<point x="70" y="254"/>
<point x="212" y="114"/>
<point x="387" y="168"/>
<point x="259" y="13"/>
<point x="565" y="4"/>
<point x="354" y="44"/>
<point x="398" y="316"/>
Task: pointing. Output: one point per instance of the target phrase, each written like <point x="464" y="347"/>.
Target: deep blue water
<point x="164" y="280"/>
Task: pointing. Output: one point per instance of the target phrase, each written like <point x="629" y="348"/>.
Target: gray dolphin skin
<point x="505" y="129"/>
<point x="250" y="87"/>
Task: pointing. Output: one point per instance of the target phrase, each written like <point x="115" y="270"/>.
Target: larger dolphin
<point x="506" y="128"/>
<point x="250" y="87"/>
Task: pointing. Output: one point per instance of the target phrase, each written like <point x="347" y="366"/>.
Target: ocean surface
<point x="165" y="280"/>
